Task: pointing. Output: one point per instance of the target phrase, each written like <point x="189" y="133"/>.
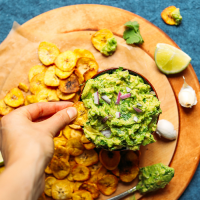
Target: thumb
<point x="59" y="120"/>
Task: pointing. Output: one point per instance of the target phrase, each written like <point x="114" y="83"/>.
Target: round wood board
<point x="66" y="24"/>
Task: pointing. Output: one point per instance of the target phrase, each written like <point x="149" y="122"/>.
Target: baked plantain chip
<point x="50" y="78"/>
<point x="48" y="52"/>
<point x="81" y="173"/>
<point x="60" y="167"/>
<point x="64" y="96"/>
<point x="72" y="164"/>
<point x="89" y="146"/>
<point x="74" y="147"/>
<point x="102" y="171"/>
<point x="108" y="184"/>
<point x="77" y="185"/>
<point x="48" y="169"/>
<point x="84" y="140"/>
<point x="81" y="113"/>
<point x="87" y="158"/>
<point x="82" y="195"/>
<point x="93" y="177"/>
<point x="167" y="15"/>
<point x="23" y="87"/>
<point x="4" y="109"/>
<point x="92" y="188"/>
<point x="61" y="190"/>
<point x="14" y="98"/>
<point x="115" y="171"/>
<point x="127" y="173"/>
<point x="94" y="168"/>
<point x="76" y="98"/>
<point x="59" y="142"/>
<point x="61" y="152"/>
<point x="49" y="181"/>
<point x="63" y="75"/>
<point x="67" y="132"/>
<point x="74" y="126"/>
<point x="75" y="133"/>
<point x="89" y="74"/>
<point x="30" y="99"/>
<point x="66" y="61"/>
<point x="83" y="65"/>
<point x="109" y="159"/>
<point x="69" y="85"/>
<point x="80" y="53"/>
<point x="47" y="95"/>
<point x="99" y="39"/>
<point x="37" y="69"/>
<point x="37" y="83"/>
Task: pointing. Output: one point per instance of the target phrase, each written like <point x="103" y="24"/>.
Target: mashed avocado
<point x="177" y="16"/>
<point x="154" y="177"/>
<point x="132" y="128"/>
<point x="110" y="47"/>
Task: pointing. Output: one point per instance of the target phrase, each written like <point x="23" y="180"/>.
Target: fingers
<point x="37" y="110"/>
<point x="59" y="120"/>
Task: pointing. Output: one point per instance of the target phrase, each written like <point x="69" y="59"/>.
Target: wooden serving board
<point x="71" y="27"/>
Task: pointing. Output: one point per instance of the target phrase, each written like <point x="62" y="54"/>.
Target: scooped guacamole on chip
<point x="122" y="111"/>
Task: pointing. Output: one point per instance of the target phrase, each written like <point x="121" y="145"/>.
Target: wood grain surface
<point x="68" y="23"/>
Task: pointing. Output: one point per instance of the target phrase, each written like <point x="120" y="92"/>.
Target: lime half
<point x="1" y="160"/>
<point x="169" y="59"/>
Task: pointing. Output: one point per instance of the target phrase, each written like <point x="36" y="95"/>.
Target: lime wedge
<point x="1" y="160"/>
<point x="169" y="59"/>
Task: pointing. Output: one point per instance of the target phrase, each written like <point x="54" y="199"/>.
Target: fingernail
<point x="72" y="112"/>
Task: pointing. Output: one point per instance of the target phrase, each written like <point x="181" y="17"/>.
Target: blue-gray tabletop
<point x="187" y="35"/>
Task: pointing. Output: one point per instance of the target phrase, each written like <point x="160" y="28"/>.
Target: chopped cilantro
<point x="132" y="33"/>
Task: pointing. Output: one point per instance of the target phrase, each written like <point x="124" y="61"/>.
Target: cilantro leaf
<point x="132" y="33"/>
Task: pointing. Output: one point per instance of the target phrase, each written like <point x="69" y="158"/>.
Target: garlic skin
<point x="187" y="96"/>
<point x="166" y="129"/>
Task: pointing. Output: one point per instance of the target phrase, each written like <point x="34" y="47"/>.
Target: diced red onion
<point x="128" y="89"/>
<point x="135" y="119"/>
<point x="117" y="114"/>
<point x="106" y="133"/>
<point x="138" y="104"/>
<point x="118" y="98"/>
<point x="125" y="96"/>
<point x="152" y="92"/>
<point x="106" y="99"/>
<point x="96" y="98"/>
<point x="106" y="118"/>
<point x="137" y="109"/>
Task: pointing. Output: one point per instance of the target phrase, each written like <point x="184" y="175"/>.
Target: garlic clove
<point x="187" y="96"/>
<point x="166" y="129"/>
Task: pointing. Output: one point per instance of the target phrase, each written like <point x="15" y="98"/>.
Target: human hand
<point x="27" y="134"/>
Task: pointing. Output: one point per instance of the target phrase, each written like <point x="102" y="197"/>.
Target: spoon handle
<point x="124" y="194"/>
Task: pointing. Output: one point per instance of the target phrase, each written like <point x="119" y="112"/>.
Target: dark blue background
<point x="187" y="35"/>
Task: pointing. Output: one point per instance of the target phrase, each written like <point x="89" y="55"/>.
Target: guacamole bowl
<point x="123" y="110"/>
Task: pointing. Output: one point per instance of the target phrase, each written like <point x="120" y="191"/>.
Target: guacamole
<point x="127" y="123"/>
<point x="110" y="47"/>
<point x="177" y="16"/>
<point x="154" y="177"/>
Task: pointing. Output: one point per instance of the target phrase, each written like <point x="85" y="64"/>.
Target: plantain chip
<point x="30" y="99"/>
<point x="84" y="140"/>
<point x="42" y="197"/>
<point x="37" y="69"/>
<point x="74" y="126"/>
<point x="50" y="78"/>
<point x="109" y="159"/>
<point x="167" y="15"/>
<point x="48" y="169"/>
<point x="69" y="85"/>
<point x="81" y="173"/>
<point x="89" y="146"/>
<point x="61" y="152"/>
<point x="67" y="132"/>
<point x="75" y="133"/>
<point x="81" y="114"/>
<point x="87" y="158"/>
<point x="77" y="185"/>
<point x="60" y="167"/>
<point x="83" y="53"/>
<point x="94" y="168"/>
<point x="69" y="183"/>
<point x="48" y="52"/>
<point x="108" y="184"/>
<point x="37" y="83"/>
<point x="64" y="96"/>
<point x="74" y="147"/>
<point x="4" y="109"/>
<point x="99" y="39"/>
<point x="72" y="164"/>
<point x="76" y="98"/>
<point x="127" y="173"/>
<point x="116" y="171"/>
<point x="92" y="188"/>
<point x="102" y="171"/>
<point x="66" y="61"/>
<point x="63" y="75"/>
<point x="89" y="74"/>
<point x="93" y="177"/>
<point x="49" y="181"/>
<point x="82" y="195"/>
<point x="47" y="95"/>
<point x="59" y="142"/>
<point x="83" y="65"/>
<point x="23" y="87"/>
<point x="61" y="190"/>
<point x="14" y="98"/>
